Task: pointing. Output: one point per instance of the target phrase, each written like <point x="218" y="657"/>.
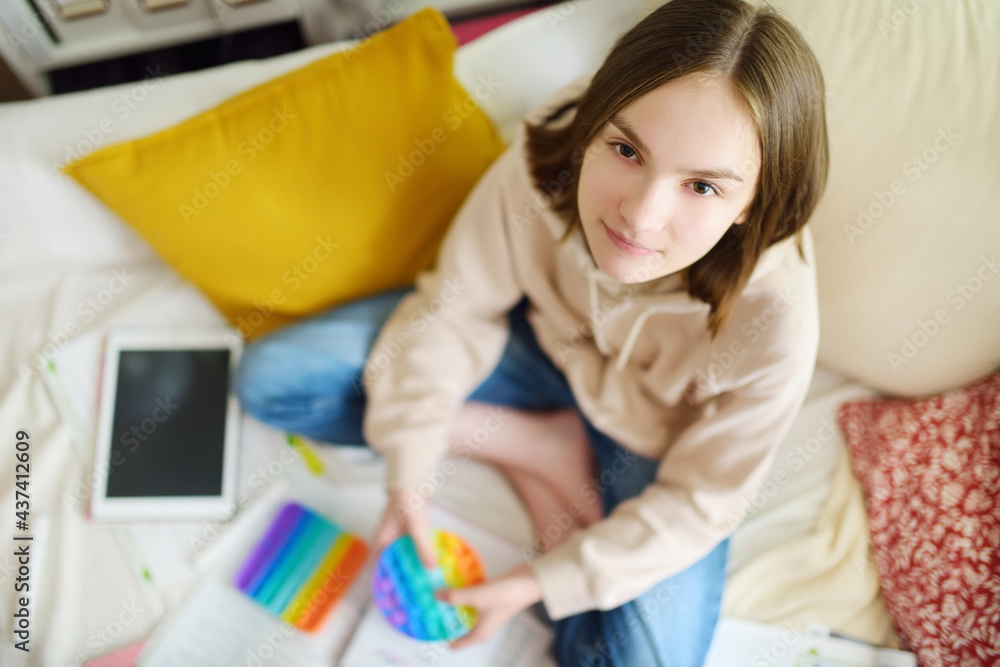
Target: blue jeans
<point x="306" y="378"/>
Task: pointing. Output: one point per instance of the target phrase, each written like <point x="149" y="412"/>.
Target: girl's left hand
<point x="496" y="602"/>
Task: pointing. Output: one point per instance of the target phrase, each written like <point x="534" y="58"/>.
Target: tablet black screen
<point x="168" y="435"/>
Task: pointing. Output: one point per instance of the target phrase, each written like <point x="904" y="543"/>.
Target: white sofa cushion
<point x="908" y="232"/>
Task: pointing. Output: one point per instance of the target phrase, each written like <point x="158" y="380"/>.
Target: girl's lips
<point x="630" y="248"/>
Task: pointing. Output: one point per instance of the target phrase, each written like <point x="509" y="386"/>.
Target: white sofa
<point x="909" y="215"/>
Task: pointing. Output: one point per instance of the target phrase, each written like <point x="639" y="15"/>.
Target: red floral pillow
<point x="931" y="471"/>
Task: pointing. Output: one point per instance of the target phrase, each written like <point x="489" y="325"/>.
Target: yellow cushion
<point x="329" y="183"/>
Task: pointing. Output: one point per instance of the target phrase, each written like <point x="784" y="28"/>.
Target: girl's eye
<point x="624" y="150"/>
<point x="704" y="189"/>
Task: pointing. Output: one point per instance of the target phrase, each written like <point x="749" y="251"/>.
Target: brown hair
<point x="770" y="64"/>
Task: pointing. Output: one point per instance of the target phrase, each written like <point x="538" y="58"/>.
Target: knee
<point x="598" y="652"/>
<point x="658" y="627"/>
<point x="250" y="377"/>
<point x="270" y="371"/>
<point x="589" y="640"/>
<point x="277" y="375"/>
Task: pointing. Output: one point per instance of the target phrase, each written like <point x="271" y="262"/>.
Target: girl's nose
<point x="647" y="207"/>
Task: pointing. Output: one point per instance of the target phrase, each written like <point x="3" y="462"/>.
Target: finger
<point x="480" y="632"/>
<point x="420" y="530"/>
<point x="456" y="596"/>
<point x="389" y="529"/>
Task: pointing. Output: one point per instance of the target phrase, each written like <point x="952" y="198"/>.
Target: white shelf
<point x="33" y="46"/>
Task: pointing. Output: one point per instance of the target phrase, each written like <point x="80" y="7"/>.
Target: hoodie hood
<point x="661" y="295"/>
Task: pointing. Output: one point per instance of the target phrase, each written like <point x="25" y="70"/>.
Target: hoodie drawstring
<point x="599" y="339"/>
<point x="633" y="336"/>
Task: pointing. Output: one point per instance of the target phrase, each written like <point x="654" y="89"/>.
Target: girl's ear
<point x="745" y="213"/>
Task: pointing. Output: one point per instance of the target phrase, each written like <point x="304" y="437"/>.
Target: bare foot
<point x="566" y="462"/>
<point x="550" y="447"/>
<point x="551" y="522"/>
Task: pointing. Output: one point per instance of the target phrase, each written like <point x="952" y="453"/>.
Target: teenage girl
<point x="622" y="318"/>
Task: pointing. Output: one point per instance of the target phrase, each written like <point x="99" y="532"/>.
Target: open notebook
<point x="220" y="625"/>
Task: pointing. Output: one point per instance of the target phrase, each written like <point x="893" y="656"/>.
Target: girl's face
<point x="666" y="177"/>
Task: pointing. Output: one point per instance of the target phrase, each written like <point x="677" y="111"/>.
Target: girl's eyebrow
<point x="626" y="128"/>
<point x="716" y="174"/>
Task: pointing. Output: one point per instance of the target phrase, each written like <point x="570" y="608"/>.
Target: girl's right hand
<point x="399" y="518"/>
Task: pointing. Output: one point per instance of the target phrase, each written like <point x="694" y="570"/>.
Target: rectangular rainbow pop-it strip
<point x="301" y="566"/>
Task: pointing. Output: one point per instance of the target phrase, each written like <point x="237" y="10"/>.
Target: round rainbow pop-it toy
<point x="403" y="588"/>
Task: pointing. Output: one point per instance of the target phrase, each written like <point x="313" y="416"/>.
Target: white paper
<point x="222" y="626"/>
<point x="835" y="652"/>
<point x="523" y="642"/>
<point x="740" y="642"/>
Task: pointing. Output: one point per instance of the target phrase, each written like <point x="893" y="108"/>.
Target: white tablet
<point x="168" y="425"/>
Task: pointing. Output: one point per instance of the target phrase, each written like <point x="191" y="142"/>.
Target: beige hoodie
<point x="637" y="357"/>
